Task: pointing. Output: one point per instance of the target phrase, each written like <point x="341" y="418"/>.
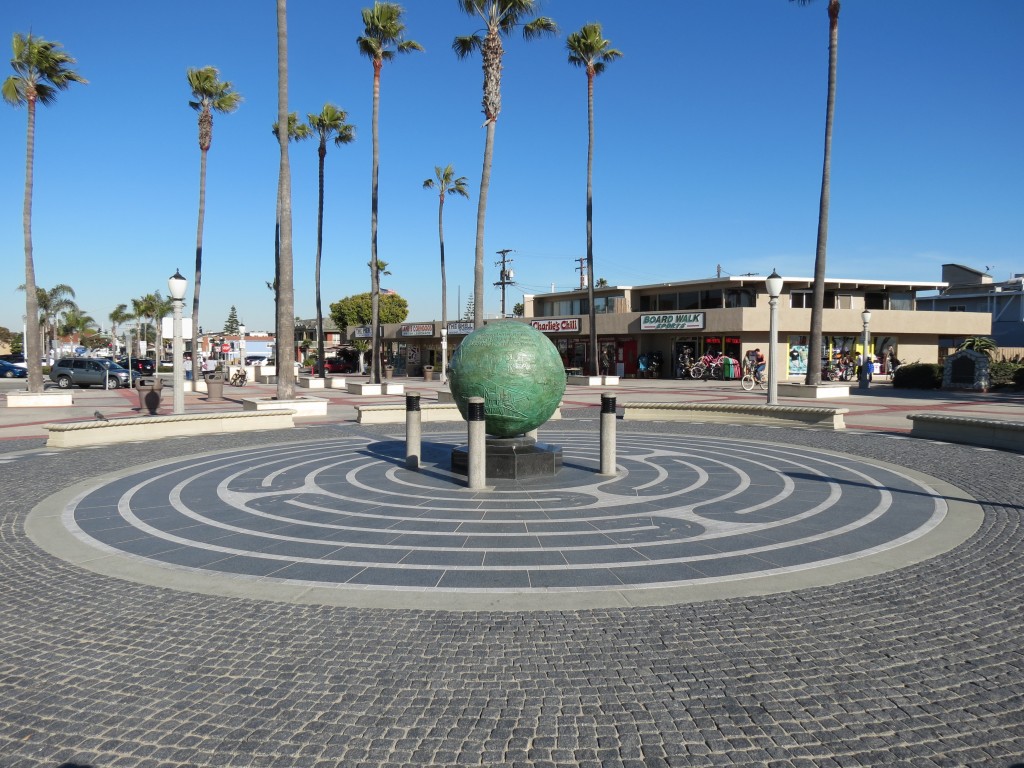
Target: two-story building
<point x="662" y="323"/>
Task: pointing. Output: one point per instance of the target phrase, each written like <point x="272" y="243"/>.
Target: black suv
<point x="87" y="371"/>
<point x="144" y="365"/>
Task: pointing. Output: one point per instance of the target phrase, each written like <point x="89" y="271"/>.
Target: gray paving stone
<point x="919" y="666"/>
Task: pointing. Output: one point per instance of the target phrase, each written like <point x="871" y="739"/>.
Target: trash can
<point x="149" y="389"/>
<point x="428" y="373"/>
<point x="389" y="371"/>
<point x="214" y="385"/>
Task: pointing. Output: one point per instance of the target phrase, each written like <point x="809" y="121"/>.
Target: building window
<point x="874" y="301"/>
<point x="902" y="300"/>
<point x="801" y="299"/>
<point x="957" y="307"/>
<point x="739" y="297"/>
<point x="689" y="300"/>
<point x="711" y="299"/>
<point x="844" y="301"/>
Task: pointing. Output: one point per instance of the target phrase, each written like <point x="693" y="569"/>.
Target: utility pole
<point x="505" y="276"/>
<point x="582" y="269"/>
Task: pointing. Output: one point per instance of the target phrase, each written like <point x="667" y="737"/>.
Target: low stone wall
<point x="737" y="413"/>
<point x="592" y="381"/>
<point x="51" y="398"/>
<point x="80" y="433"/>
<point x="395" y="414"/>
<point x="990" y="433"/>
<point x="821" y="391"/>
<point x="302" y="405"/>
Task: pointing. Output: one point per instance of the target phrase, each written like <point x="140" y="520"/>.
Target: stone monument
<point x="519" y="374"/>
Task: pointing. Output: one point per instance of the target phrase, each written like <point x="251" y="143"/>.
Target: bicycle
<point x="752" y="377"/>
<point x="708" y="367"/>
<point x="238" y="378"/>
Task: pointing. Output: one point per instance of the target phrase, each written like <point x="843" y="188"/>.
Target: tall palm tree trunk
<point x="481" y="216"/>
<point x="375" y="361"/>
<point x="590" y="224"/>
<point x="197" y="367"/>
<point x="33" y="345"/>
<point x="319" y="250"/>
<point x="444" y="289"/>
<point x="285" y="288"/>
<point x="814" y="348"/>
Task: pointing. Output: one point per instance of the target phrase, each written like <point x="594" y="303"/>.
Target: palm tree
<point x="210" y="94"/>
<point x="76" y="323"/>
<point x="119" y="315"/>
<point x="588" y="49"/>
<point x="148" y="308"/>
<point x="41" y="69"/>
<point x="330" y="123"/>
<point x="983" y="345"/>
<point x="296" y="132"/>
<point x="500" y="17"/>
<point x="446" y="183"/>
<point x="285" y="317"/>
<point x="383" y="36"/>
<point x="818" y="296"/>
<point x="51" y="306"/>
<point x="162" y="307"/>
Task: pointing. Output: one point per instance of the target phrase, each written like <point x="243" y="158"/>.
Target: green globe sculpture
<point x="516" y="370"/>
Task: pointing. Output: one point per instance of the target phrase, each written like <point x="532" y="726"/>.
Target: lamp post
<point x="865" y="376"/>
<point x="444" y="355"/>
<point x="176" y="285"/>
<point x="241" y="345"/>
<point x="774" y="285"/>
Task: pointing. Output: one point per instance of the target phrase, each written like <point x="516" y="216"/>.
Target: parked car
<point x="141" y="364"/>
<point x="12" y="371"/>
<point x="87" y="372"/>
<point x="338" y="365"/>
<point x="15" y="358"/>
<point x="256" y="360"/>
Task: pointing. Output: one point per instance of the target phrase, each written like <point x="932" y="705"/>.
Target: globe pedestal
<point x="513" y="458"/>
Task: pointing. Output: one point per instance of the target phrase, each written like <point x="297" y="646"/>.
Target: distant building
<point x="971" y="290"/>
<point x="674" y="321"/>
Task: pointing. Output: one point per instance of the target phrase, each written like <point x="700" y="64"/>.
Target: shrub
<point x="1003" y="372"/>
<point x="918" y="376"/>
<point x="1018" y="376"/>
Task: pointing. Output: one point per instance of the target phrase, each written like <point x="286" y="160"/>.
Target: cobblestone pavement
<point x="922" y="666"/>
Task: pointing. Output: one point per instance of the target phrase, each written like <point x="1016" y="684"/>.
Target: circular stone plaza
<point x="733" y="595"/>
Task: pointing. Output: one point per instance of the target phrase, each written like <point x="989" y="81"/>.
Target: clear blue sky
<point x="708" y="149"/>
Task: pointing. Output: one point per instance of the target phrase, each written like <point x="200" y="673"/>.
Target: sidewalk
<point x="879" y="408"/>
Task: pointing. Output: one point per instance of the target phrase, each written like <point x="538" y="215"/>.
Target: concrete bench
<point x="737" y="413"/>
<point x="990" y="433"/>
<point x="395" y="414"/>
<point x="79" y="433"/>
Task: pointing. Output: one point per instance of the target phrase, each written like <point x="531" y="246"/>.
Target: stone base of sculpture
<point x="513" y="458"/>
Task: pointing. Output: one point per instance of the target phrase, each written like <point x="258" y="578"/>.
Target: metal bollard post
<point x="608" y="433"/>
<point x="477" y="459"/>
<point x="413" y="417"/>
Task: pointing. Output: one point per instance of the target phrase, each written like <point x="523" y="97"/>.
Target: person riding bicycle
<point x="758" y="361"/>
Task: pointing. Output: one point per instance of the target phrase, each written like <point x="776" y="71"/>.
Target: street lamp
<point x="444" y="355"/>
<point x="774" y="285"/>
<point x="176" y="285"/>
<point x="865" y="375"/>
<point x="241" y="345"/>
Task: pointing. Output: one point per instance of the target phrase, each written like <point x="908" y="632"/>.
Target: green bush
<point x="1004" y="372"/>
<point x="918" y="376"/>
<point x="1018" y="376"/>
